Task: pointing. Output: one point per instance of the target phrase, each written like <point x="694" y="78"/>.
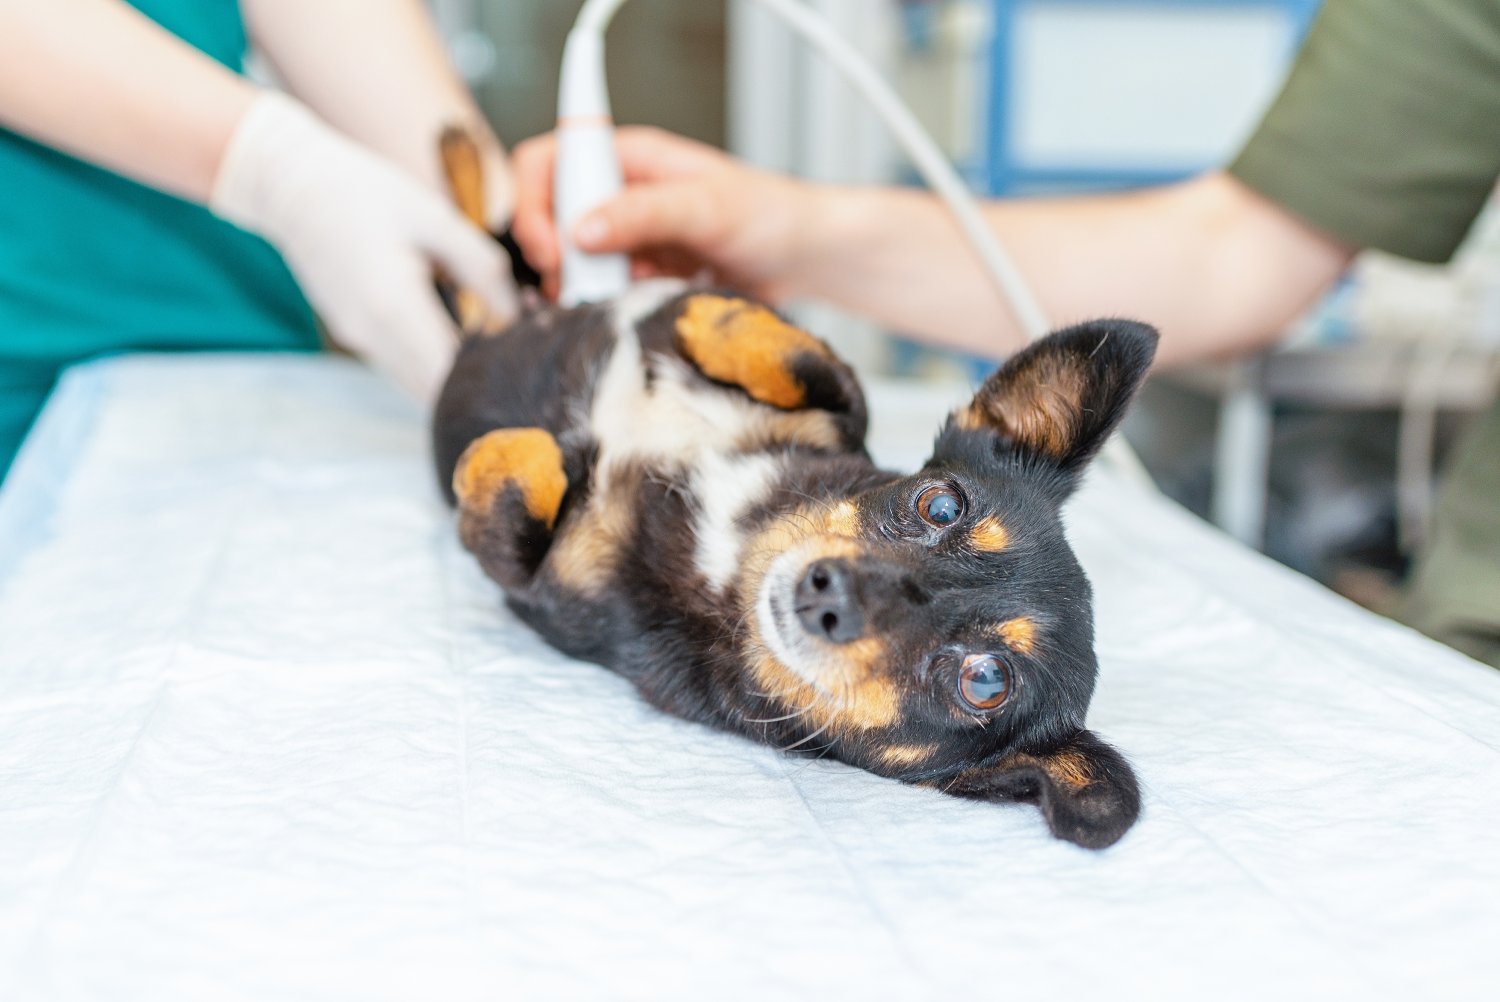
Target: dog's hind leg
<point x="510" y="486"/>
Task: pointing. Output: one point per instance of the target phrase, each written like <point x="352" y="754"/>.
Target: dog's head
<point x="939" y="629"/>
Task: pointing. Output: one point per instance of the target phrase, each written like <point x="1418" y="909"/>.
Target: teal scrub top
<point x="92" y="264"/>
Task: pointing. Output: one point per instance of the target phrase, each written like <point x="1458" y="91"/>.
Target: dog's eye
<point x="940" y="506"/>
<point x="984" y="682"/>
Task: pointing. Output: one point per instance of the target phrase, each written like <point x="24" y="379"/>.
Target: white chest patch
<point x="681" y="425"/>
<point x="677" y="419"/>
<point x="726" y="487"/>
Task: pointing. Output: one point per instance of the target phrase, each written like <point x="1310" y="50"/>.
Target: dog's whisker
<point x="798" y="744"/>
<point x="777" y="720"/>
<point x="769" y="697"/>
<point x="766" y="695"/>
<point x="814" y="757"/>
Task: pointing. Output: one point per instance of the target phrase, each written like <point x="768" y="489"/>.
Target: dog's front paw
<point x="747" y="345"/>
<point x="510" y="486"/>
<point x="525" y="459"/>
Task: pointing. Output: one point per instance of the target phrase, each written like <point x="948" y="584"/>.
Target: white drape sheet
<point x="267" y="733"/>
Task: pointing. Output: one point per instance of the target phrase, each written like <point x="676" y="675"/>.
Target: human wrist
<point x="269" y="164"/>
<point x="831" y="228"/>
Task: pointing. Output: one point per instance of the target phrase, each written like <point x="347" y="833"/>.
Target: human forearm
<point x="377" y="70"/>
<point x="70" y="77"/>
<point x="1218" y="269"/>
<point x="95" y="78"/>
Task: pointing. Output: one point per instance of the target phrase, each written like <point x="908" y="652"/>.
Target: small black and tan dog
<point x="675" y="486"/>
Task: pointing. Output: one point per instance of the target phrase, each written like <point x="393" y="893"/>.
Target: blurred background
<point x="1322" y="453"/>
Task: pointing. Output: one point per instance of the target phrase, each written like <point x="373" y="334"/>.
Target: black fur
<point x="932" y="595"/>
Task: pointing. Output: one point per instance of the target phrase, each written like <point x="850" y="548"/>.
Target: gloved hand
<point x="361" y="237"/>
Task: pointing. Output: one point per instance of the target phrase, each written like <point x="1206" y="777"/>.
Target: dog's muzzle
<point x="827" y="602"/>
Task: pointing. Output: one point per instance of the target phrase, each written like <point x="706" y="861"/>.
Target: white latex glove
<point x="362" y="238"/>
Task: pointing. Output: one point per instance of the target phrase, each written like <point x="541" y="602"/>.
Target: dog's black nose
<point x="827" y="604"/>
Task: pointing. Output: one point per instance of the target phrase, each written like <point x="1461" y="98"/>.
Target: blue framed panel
<point x="1004" y="170"/>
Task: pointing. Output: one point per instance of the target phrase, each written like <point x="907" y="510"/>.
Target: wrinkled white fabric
<point x="267" y="733"/>
<point x="361" y="237"/>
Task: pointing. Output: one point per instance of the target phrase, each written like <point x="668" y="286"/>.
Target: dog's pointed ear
<point x="1085" y="789"/>
<point x="1059" y="399"/>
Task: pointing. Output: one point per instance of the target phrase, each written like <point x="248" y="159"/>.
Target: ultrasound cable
<point x="589" y="174"/>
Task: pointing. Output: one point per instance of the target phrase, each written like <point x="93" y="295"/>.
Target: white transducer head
<point x="588" y="169"/>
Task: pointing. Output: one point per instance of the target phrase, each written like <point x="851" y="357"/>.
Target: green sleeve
<point x="1387" y="132"/>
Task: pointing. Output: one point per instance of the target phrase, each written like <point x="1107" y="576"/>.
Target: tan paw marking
<point x="526" y="457"/>
<point x="738" y="342"/>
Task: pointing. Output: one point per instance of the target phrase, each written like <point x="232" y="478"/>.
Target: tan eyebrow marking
<point x="989" y="536"/>
<point x="1019" y="634"/>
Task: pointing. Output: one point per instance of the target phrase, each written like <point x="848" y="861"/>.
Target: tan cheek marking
<point x="872" y="703"/>
<point x="843" y="520"/>
<point x="1019" y="634"/>
<point x="526" y="457"/>
<point x="861" y="657"/>
<point x="867" y="704"/>
<point x="989" y="536"/>
<point x="739" y="342"/>
<point x="905" y="756"/>
<point x="863" y="700"/>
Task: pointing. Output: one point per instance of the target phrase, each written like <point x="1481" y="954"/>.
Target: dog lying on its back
<point x="675" y="486"/>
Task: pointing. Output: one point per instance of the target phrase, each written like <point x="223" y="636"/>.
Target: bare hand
<point x="687" y="209"/>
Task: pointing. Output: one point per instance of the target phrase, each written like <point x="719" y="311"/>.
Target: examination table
<point x="267" y="733"/>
